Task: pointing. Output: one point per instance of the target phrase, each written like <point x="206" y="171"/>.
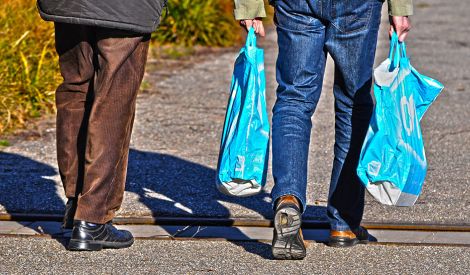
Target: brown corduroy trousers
<point x="102" y="70"/>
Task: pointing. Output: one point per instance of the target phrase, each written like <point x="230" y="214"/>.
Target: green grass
<point x="4" y="143"/>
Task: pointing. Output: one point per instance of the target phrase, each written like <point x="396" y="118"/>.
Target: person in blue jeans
<point x="307" y="30"/>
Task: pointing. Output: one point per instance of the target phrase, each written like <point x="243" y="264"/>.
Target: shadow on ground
<point x="171" y="186"/>
<point x="27" y="187"/>
<point x="167" y="185"/>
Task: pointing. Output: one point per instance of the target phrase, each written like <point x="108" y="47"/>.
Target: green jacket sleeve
<point x="400" y="7"/>
<point x="249" y="9"/>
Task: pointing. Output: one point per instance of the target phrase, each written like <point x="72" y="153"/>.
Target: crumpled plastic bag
<point x="393" y="164"/>
<point x="243" y="157"/>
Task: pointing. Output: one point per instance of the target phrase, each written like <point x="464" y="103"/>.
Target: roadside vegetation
<point x="29" y="71"/>
<point x="198" y="22"/>
<point x="28" y="65"/>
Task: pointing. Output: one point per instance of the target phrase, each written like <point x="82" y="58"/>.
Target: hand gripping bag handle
<point x="251" y="38"/>
<point x="250" y="46"/>
<point x="397" y="51"/>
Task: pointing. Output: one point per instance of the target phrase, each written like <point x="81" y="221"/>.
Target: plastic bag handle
<point x="393" y="44"/>
<point x="402" y="46"/>
<point x="251" y="38"/>
<point x="397" y="50"/>
<point x="394" y="54"/>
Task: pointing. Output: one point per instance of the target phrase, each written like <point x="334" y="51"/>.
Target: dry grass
<point x="28" y="64"/>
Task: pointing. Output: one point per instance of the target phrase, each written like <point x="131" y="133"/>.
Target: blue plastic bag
<point x="393" y="164"/>
<point x="243" y="157"/>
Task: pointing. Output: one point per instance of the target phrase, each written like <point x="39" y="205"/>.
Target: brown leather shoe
<point x="288" y="241"/>
<point x="348" y="238"/>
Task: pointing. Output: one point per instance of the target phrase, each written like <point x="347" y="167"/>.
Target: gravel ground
<point x="46" y="256"/>
<point x="179" y="121"/>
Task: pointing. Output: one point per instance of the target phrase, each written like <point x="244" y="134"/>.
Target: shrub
<point x="198" y="22"/>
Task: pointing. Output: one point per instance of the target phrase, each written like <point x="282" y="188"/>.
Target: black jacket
<point x="142" y="16"/>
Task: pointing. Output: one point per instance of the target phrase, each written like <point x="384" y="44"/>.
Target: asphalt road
<point x="179" y="121"/>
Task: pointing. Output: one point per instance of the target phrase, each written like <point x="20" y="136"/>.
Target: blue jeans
<point x="308" y="30"/>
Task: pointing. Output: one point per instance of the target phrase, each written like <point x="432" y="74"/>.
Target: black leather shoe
<point x="348" y="238"/>
<point x="288" y="242"/>
<point x="93" y="237"/>
<point x="69" y="214"/>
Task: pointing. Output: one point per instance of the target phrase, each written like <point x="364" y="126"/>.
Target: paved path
<point x="46" y="256"/>
<point x="179" y="120"/>
<point x="458" y="238"/>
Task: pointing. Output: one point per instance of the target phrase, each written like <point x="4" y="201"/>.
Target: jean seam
<point x="368" y="19"/>
<point x="305" y="28"/>
<point x="300" y="30"/>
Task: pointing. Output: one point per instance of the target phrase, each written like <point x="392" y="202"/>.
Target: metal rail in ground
<point x="236" y="222"/>
<point x="172" y="228"/>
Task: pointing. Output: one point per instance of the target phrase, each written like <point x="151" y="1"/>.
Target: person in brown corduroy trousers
<point x="102" y="47"/>
<point x="102" y="70"/>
